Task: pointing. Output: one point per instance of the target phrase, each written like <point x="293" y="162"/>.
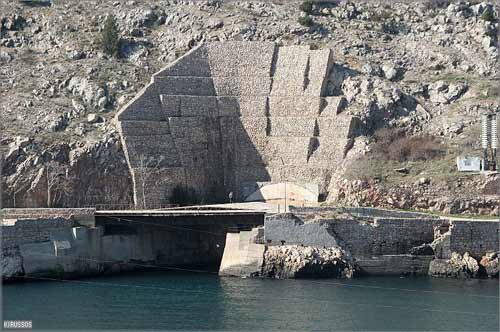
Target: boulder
<point x="391" y="72"/>
<point x="58" y="122"/>
<point x="79" y="108"/>
<point x="90" y="92"/>
<point x="293" y="261"/>
<point x="94" y="118"/>
<point x="372" y="70"/>
<point x="490" y="264"/>
<point x="444" y="93"/>
<point x="5" y="57"/>
<point x="457" y="266"/>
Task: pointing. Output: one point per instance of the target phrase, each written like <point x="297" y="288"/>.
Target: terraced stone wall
<point x="231" y="114"/>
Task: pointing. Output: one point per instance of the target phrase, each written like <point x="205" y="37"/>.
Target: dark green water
<point x="180" y="301"/>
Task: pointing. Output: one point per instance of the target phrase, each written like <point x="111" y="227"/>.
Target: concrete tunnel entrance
<point x="162" y="239"/>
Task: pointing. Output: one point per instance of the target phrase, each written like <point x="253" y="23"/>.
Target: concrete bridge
<point x="77" y="240"/>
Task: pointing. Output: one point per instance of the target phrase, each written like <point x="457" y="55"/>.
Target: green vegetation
<point x="488" y="15"/>
<point x="453" y="77"/>
<point x="28" y="56"/>
<point x="36" y="3"/>
<point x="489" y="90"/>
<point x="492" y="188"/>
<point x="110" y="38"/>
<point x="380" y="17"/>
<point x="306" y="21"/>
<point x="436" y="4"/>
<point x="393" y="150"/>
<point x="306" y="7"/>
<point x="393" y="145"/>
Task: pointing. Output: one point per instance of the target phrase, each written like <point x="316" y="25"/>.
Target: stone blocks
<point x="237" y="59"/>
<point x="239" y="112"/>
<point x="242" y="86"/>
<point x="194" y="63"/>
<point x="184" y="86"/>
<point x="295" y="106"/>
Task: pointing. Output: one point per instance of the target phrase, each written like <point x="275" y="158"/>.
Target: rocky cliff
<point x="427" y="69"/>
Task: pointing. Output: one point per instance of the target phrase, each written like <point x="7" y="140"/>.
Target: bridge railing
<point x="131" y="206"/>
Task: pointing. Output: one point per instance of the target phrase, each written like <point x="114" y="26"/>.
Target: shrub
<point x="492" y="188"/>
<point x="394" y="145"/>
<point x="488" y="15"/>
<point x="382" y="16"/>
<point x="36" y="3"/>
<point x="306" y="7"/>
<point x="110" y="37"/>
<point x="436" y="4"/>
<point x="306" y="21"/>
<point x="183" y="196"/>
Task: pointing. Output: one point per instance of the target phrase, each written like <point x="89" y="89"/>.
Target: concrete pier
<point x="77" y="242"/>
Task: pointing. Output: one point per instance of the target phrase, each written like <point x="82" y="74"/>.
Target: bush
<point x="394" y="145"/>
<point x="110" y="37"/>
<point x="436" y="4"/>
<point x="306" y="7"/>
<point x="488" y="15"/>
<point x="306" y="21"/>
<point x="36" y="3"/>
<point x="183" y="196"/>
<point x="492" y="188"/>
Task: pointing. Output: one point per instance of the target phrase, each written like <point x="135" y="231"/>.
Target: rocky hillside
<point x="425" y="70"/>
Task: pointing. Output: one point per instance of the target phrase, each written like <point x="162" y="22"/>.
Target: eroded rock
<point x="293" y="261"/>
<point x="490" y="264"/>
<point x="457" y="266"/>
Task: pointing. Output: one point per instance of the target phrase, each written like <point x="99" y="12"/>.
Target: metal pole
<point x="281" y="172"/>
<point x="285" y="199"/>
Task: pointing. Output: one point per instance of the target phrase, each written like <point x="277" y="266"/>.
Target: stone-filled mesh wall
<point x="230" y="114"/>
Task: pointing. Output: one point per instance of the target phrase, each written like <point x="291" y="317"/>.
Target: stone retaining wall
<point x="475" y="237"/>
<point x="381" y="244"/>
<point x="33" y="230"/>
<point x="232" y="113"/>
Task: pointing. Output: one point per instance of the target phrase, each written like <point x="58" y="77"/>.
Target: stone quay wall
<point x="231" y="114"/>
<point x="474" y="237"/>
<point x="378" y="236"/>
<point x="33" y="230"/>
<point x="381" y="244"/>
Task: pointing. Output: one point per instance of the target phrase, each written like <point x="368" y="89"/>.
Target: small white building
<point x="469" y="164"/>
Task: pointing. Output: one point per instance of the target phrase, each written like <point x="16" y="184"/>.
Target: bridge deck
<point x="174" y="213"/>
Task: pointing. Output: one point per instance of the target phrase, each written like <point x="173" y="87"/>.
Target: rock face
<point x="392" y="242"/>
<point x="457" y="266"/>
<point x="417" y="67"/>
<point x="283" y="262"/>
<point x="228" y="115"/>
<point x="490" y="264"/>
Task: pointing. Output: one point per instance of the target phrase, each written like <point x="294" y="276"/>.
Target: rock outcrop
<point x="457" y="266"/>
<point x="418" y="67"/>
<point x="293" y="261"/>
<point x="490" y="264"/>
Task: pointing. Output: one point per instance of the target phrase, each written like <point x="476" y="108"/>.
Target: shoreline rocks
<point x="294" y="261"/>
<point x="465" y="266"/>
